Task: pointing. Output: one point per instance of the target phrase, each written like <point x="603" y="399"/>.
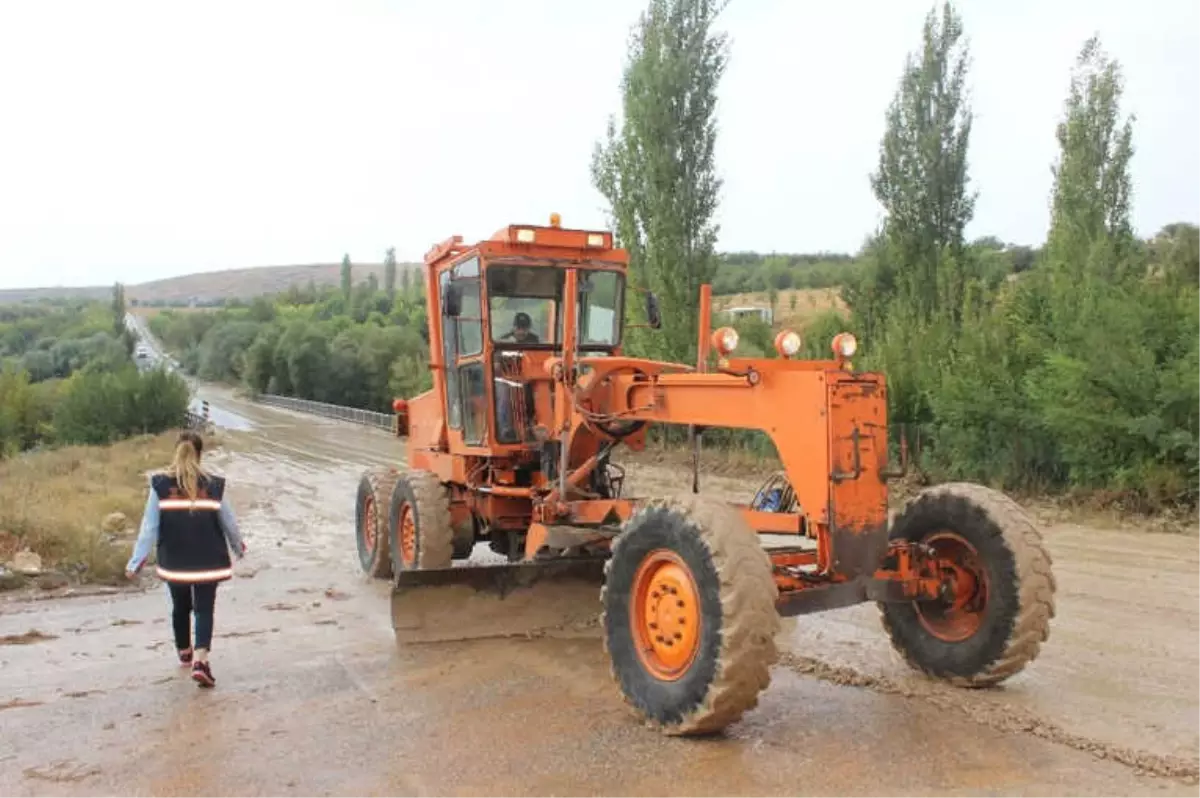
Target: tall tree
<point x="118" y="309"/>
<point x="389" y="273"/>
<point x="657" y="169"/>
<point x="922" y="178"/>
<point x="1090" y="228"/>
<point x="347" y="279"/>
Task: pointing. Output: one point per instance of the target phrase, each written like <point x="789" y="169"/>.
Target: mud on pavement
<point x="314" y="696"/>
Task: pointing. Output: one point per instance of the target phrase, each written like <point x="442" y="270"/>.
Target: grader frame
<point x="513" y="445"/>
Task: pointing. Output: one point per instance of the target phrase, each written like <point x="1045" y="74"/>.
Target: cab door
<point x="470" y="381"/>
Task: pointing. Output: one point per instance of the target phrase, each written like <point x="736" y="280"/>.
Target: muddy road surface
<point x="314" y="697"/>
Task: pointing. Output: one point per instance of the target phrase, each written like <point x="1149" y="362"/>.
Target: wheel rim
<point x="959" y="613"/>
<point x="370" y="530"/>
<point x="408" y="535"/>
<point x="665" y="615"/>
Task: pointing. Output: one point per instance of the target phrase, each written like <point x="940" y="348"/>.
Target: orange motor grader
<point x="514" y="447"/>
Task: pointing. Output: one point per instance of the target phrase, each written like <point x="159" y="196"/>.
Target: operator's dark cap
<point x="522" y="321"/>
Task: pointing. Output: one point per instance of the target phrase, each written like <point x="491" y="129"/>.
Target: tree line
<point x="68" y="376"/>
<point x="356" y="344"/>
<point x="1072" y="365"/>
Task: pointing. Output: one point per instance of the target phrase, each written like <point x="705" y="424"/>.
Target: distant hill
<point x="206" y="287"/>
<point x="13" y="295"/>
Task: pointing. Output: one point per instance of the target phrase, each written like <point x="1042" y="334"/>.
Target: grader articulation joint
<point x="513" y="448"/>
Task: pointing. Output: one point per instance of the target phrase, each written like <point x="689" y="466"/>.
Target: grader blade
<point x="552" y="598"/>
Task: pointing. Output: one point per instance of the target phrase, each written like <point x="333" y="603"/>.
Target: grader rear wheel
<point x="689" y="616"/>
<point x="421" y="532"/>
<point x="371" y="521"/>
<point x="999" y="589"/>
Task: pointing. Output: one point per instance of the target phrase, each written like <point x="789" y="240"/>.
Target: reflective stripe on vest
<point x="214" y="575"/>
<point x="189" y="504"/>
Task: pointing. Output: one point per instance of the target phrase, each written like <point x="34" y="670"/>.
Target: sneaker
<point x="185" y="656"/>
<point x="202" y="674"/>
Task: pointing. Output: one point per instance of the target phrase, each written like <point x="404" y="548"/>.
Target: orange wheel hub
<point x="369" y="530"/>
<point x="665" y="615"/>
<point x="408" y="535"/>
<point x="959" y="613"/>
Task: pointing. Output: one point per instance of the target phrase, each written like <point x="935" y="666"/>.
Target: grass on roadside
<point x="54" y="503"/>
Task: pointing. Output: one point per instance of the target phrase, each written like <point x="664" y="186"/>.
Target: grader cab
<point x="514" y="446"/>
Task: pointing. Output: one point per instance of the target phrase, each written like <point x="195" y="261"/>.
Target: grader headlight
<point x="845" y="345"/>
<point x="787" y="343"/>
<point x="725" y="340"/>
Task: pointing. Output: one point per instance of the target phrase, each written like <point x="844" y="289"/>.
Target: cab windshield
<point x="524" y="306"/>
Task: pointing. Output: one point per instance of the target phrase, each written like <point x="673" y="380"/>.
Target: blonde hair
<point x="185" y="465"/>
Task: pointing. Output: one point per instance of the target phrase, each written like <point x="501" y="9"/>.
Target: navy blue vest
<point x="191" y="544"/>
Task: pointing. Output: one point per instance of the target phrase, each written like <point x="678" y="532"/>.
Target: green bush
<point x="311" y="344"/>
<point x="101" y="407"/>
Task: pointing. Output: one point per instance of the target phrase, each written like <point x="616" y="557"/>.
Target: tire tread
<point x="750" y="621"/>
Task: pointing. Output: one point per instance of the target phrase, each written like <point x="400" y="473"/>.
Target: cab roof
<point x="543" y="241"/>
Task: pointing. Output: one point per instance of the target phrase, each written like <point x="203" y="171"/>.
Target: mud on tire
<point x="371" y="530"/>
<point x="735" y="592"/>
<point x="1007" y="633"/>
<point x="419" y="522"/>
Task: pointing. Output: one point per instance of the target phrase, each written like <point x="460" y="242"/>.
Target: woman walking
<point x="193" y="528"/>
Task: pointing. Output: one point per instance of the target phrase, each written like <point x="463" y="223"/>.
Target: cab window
<point x="601" y="301"/>
<point x="470" y="321"/>
<point x="523" y="304"/>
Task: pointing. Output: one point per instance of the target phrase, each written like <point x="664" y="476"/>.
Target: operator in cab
<point x="522" y="330"/>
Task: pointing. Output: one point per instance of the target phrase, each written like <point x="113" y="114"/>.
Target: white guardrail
<point x="368" y="418"/>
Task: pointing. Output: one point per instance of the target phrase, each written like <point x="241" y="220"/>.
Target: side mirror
<point x="452" y="301"/>
<point x="653" y="317"/>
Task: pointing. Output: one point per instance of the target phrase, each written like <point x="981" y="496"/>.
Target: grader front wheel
<point x="998" y="597"/>
<point x="689" y="616"/>
<point x="371" y="521"/>
<point x="420" y="527"/>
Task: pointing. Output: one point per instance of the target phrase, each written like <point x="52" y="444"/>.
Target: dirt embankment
<point x="77" y="508"/>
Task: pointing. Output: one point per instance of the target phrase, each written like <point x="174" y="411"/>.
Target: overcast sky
<point x="147" y="139"/>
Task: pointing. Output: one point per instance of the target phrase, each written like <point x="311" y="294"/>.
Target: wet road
<point x="314" y="697"/>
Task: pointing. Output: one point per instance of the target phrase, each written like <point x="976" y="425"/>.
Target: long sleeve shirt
<point x="148" y="536"/>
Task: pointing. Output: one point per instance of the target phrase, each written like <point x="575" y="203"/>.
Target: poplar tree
<point x="347" y="283"/>
<point x="656" y="168"/>
<point x="389" y="273"/>
<point x="1090" y="229"/>
<point x="922" y="180"/>
<point x="118" y="310"/>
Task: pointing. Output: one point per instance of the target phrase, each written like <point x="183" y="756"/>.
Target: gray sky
<point x="147" y="139"/>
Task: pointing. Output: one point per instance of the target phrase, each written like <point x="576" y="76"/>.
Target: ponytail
<point x="185" y="466"/>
